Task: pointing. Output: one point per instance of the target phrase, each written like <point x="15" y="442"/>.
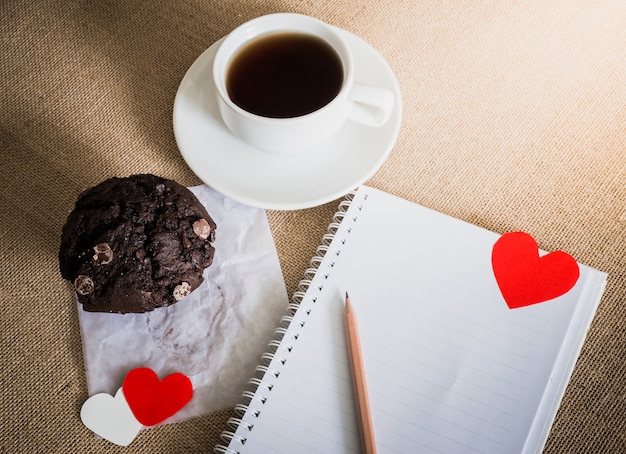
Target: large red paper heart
<point x="524" y="277"/>
<point x="152" y="400"/>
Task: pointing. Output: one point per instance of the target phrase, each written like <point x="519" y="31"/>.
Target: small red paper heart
<point x="524" y="277"/>
<point x="152" y="400"/>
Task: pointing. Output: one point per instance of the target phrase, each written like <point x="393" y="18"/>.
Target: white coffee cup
<point x="367" y="105"/>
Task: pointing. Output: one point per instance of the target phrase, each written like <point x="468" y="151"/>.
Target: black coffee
<point x="283" y="75"/>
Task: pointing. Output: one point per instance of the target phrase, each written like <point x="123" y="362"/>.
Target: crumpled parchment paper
<point x="215" y="335"/>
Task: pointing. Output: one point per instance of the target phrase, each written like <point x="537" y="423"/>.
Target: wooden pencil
<point x="358" y="379"/>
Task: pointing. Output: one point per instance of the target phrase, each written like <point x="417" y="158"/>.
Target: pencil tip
<point x="347" y="295"/>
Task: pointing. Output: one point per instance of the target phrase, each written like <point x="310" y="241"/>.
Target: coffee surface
<point x="284" y="75"/>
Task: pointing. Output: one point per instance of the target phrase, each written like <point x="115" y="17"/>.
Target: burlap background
<point x="514" y="119"/>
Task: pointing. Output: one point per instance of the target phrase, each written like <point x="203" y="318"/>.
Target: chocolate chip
<point x="103" y="254"/>
<point x="202" y="228"/>
<point x="181" y="291"/>
<point x="83" y="285"/>
<point x="147" y="223"/>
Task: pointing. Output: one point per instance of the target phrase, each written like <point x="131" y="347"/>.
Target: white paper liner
<point x="215" y="335"/>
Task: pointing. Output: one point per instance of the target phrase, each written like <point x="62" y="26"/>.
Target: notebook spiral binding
<point x="251" y="399"/>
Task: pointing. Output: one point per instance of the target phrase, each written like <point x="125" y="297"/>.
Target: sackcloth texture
<point x="514" y="118"/>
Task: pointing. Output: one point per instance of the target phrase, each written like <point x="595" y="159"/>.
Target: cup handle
<point x="371" y="106"/>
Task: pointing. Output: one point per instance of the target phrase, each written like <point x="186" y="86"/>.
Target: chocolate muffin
<point x="134" y="244"/>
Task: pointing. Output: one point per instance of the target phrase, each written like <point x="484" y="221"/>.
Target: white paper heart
<point x="111" y="418"/>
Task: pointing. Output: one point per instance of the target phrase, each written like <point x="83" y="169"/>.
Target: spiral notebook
<point x="450" y="367"/>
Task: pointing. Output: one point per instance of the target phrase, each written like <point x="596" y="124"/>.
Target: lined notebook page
<point x="450" y="368"/>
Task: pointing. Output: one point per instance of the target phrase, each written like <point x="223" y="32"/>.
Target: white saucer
<point x="271" y="181"/>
